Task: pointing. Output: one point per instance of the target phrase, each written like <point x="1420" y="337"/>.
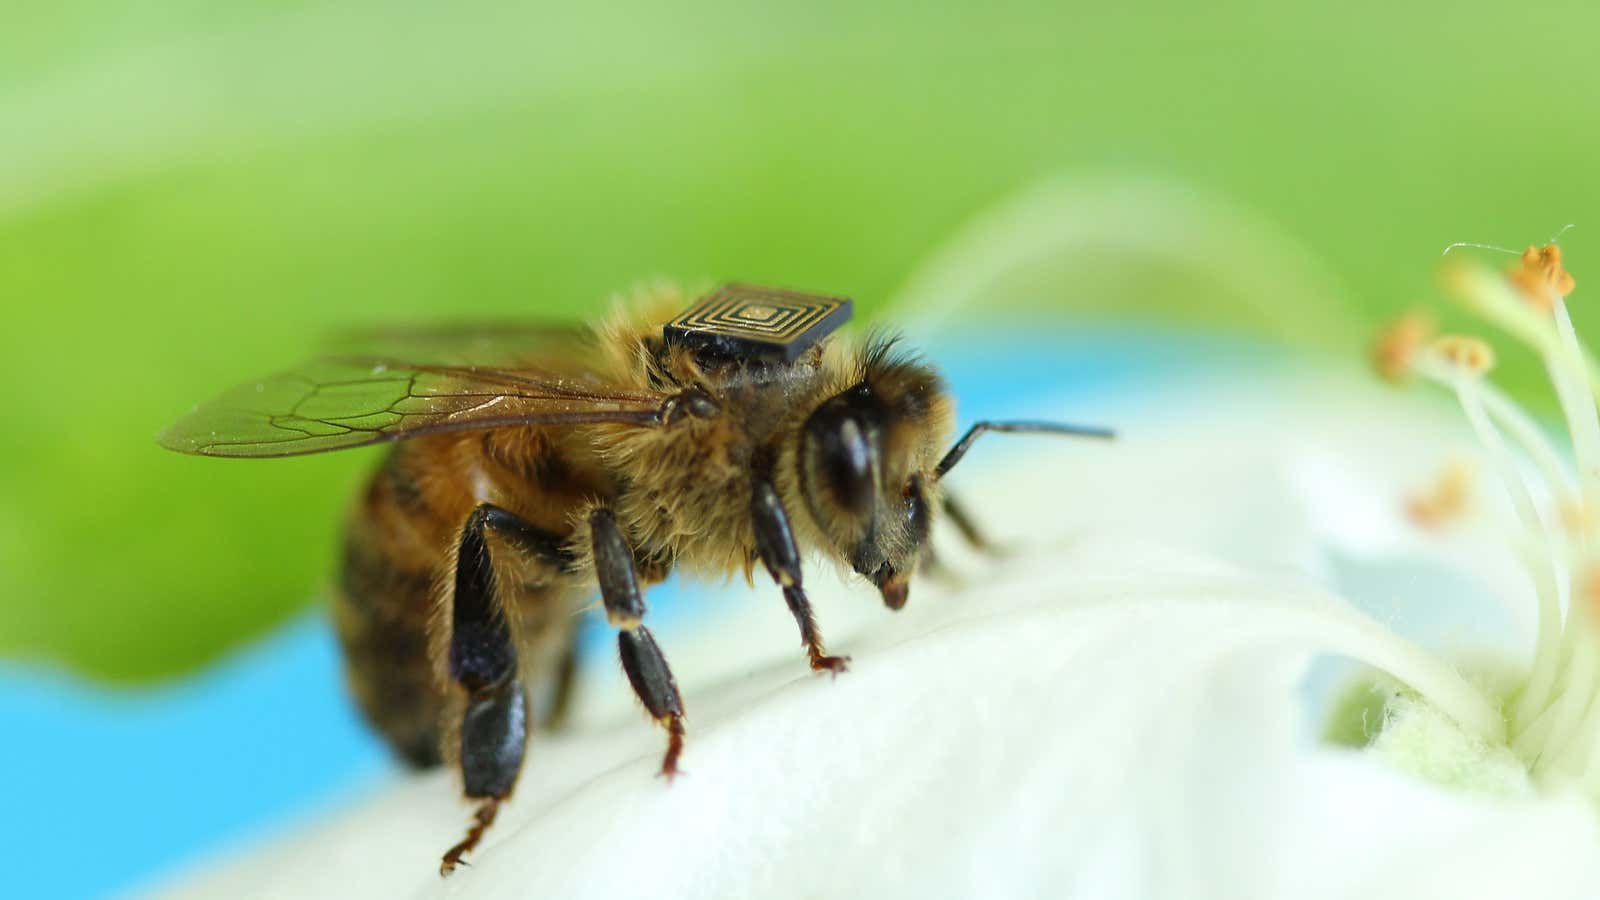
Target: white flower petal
<point x="1351" y="829"/>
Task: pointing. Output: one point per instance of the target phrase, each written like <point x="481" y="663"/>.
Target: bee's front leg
<point x="642" y="661"/>
<point x="776" y="546"/>
<point x="932" y="563"/>
<point x="966" y="525"/>
<point x="483" y="660"/>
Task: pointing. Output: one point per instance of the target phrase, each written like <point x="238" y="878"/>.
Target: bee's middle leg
<point x="642" y="661"/>
<point x="483" y="660"/>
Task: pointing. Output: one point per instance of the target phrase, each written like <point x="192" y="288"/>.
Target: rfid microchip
<point x="746" y="321"/>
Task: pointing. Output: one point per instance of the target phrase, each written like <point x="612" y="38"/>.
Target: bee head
<point x="867" y="461"/>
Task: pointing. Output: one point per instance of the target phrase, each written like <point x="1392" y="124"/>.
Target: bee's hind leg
<point x="616" y="569"/>
<point x="483" y="660"/>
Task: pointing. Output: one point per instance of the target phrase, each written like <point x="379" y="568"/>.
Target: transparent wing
<point x="339" y="402"/>
<point x="559" y="347"/>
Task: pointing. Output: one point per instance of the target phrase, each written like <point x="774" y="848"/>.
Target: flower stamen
<point x="1555" y="715"/>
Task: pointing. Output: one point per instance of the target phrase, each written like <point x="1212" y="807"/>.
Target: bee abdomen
<point x="382" y="614"/>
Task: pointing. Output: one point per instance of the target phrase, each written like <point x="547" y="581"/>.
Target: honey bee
<point x="531" y="465"/>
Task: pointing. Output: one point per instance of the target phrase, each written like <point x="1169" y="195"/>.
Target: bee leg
<point x="566" y="681"/>
<point x="494" y="735"/>
<point x="642" y="662"/>
<point x="963" y="521"/>
<point x="775" y="543"/>
<point x="483" y="660"/>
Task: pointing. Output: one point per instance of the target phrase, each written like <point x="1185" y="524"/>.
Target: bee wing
<point x="338" y="402"/>
<point x="560" y="347"/>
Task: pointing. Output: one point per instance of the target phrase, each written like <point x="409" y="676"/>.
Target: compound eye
<point x="842" y="457"/>
<point x="847" y="467"/>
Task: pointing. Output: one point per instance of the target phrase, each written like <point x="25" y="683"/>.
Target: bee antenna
<point x="976" y="431"/>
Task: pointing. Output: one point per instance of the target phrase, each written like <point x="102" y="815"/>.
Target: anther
<point x="1577" y="520"/>
<point x="1447" y="500"/>
<point x="1398" y="345"/>
<point x="1588" y="590"/>
<point x="1541" y="278"/>
<point x="1470" y="354"/>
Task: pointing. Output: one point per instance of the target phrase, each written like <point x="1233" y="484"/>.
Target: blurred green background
<point x="191" y="193"/>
